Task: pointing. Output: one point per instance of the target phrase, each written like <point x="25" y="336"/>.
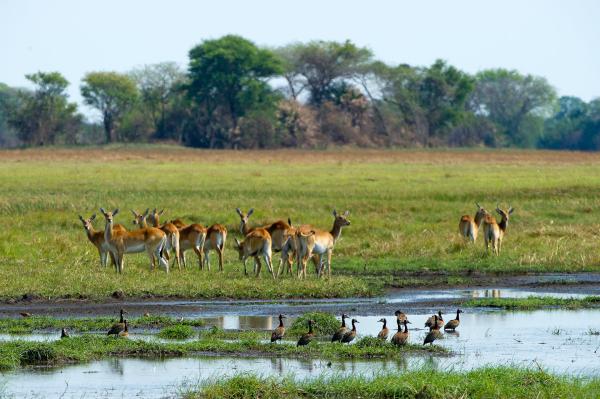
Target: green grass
<point x="44" y="323"/>
<point x="84" y="348"/>
<point x="497" y="382"/>
<point x="178" y="331"/>
<point x="325" y="324"/>
<point x="534" y="302"/>
<point x="405" y="207"/>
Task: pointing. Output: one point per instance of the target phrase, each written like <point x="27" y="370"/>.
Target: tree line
<point x="235" y="94"/>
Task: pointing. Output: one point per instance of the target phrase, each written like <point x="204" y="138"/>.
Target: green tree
<point x="111" y="93"/>
<point x="9" y="102"/>
<point x="158" y="86"/>
<point x="45" y="113"/>
<point x="516" y="103"/>
<point x="228" y="80"/>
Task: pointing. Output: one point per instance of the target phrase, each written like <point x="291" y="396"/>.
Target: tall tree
<point x="45" y="113"/>
<point x="228" y="79"/>
<point x="9" y="102"/>
<point x="158" y="85"/>
<point x="516" y="103"/>
<point x="111" y="93"/>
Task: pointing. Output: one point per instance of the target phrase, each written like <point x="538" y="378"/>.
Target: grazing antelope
<point x="325" y="240"/>
<point x="191" y="236"/>
<point x="401" y="337"/>
<point x="493" y="231"/>
<point x="339" y="334"/>
<point x="172" y="232"/>
<point x="256" y="244"/>
<point x="277" y="230"/>
<point x="150" y="239"/>
<point x="96" y="237"/>
<point x="469" y="226"/>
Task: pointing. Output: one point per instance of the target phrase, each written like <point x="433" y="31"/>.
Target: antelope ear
<point x="93" y="217"/>
<point x="134" y="212"/>
<point x="239" y="212"/>
<point x="334" y="213"/>
<point x="511" y="210"/>
<point x="103" y="211"/>
<point x="499" y="211"/>
<point x="81" y="218"/>
<point x="347" y="213"/>
<point x="478" y="206"/>
<point x="147" y="211"/>
<point x="161" y="212"/>
<point x="250" y="212"/>
<point x="115" y="211"/>
<point x="290" y="222"/>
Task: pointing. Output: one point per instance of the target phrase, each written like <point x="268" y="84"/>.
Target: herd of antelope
<point x="175" y="237"/>
<point x="299" y="243"/>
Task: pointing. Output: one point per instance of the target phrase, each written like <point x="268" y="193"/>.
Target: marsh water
<point x="561" y="341"/>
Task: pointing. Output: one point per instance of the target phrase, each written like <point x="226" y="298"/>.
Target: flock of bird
<point x="344" y="335"/>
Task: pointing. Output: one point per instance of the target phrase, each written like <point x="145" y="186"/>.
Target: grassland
<point x="501" y="382"/>
<point x="14" y="354"/>
<point x="405" y="207"/>
<point x="535" y="302"/>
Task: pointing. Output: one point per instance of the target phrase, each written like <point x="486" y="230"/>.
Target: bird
<point x="350" y="335"/>
<point x="118" y="327"/>
<point x="25" y="314"/>
<point x="279" y="332"/>
<point x="125" y="332"/>
<point x="400" y="315"/>
<point x="64" y="333"/>
<point x="305" y="339"/>
<point x="383" y="334"/>
<point x="434" y="333"/>
<point x="440" y="320"/>
<point x="452" y="324"/>
<point x="339" y="334"/>
<point x="146" y="314"/>
<point x="401" y="337"/>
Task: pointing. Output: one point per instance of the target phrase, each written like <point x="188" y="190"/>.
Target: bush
<point x="176" y="332"/>
<point x="325" y="324"/>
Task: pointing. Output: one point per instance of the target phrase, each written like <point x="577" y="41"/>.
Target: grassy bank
<point x="405" y="207"/>
<point x="501" y="382"/>
<point x="90" y="347"/>
<point x="535" y="302"/>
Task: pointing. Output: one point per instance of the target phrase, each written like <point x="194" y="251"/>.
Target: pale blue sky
<point x="556" y="39"/>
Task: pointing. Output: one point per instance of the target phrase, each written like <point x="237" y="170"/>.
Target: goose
<point x="118" y="327"/>
<point x="305" y="339"/>
<point x="25" y="314"/>
<point x="400" y="315"/>
<point x="125" y="332"/>
<point x="64" y="333"/>
<point x="279" y="332"/>
<point x="383" y="334"/>
<point x="401" y="337"/>
<point x="350" y="335"/>
<point x="434" y="333"/>
<point x="339" y="334"/>
<point x="440" y="320"/>
<point x="452" y="324"/>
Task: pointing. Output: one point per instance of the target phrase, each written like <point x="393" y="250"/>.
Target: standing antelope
<point x="216" y="235"/>
<point x="277" y="230"/>
<point x="305" y="244"/>
<point x="493" y="231"/>
<point x="97" y="238"/>
<point x="150" y="239"/>
<point x="172" y="232"/>
<point x="325" y="240"/>
<point x="191" y="236"/>
<point x="257" y="243"/>
<point x="469" y="226"/>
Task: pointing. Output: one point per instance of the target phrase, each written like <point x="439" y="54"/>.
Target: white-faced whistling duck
<point x="452" y="324"/>
<point x="400" y="315"/>
<point x="25" y="314"/>
<point x="440" y="320"/>
<point x="306" y="338"/>
<point x="279" y="332"/>
<point x="401" y="337"/>
<point x="125" y="332"/>
<point x="118" y="327"/>
<point x="350" y="335"/>
<point x="64" y="333"/>
<point x="339" y="334"/>
<point x="383" y="334"/>
<point x="434" y="333"/>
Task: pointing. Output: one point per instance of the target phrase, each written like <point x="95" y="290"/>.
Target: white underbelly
<point x="135" y="249"/>
<point x="319" y="249"/>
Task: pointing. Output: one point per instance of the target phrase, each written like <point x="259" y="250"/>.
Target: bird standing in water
<point x="279" y="332"/>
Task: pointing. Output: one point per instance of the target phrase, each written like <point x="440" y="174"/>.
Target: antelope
<point x="469" y="226"/>
<point x="493" y="231"/>
<point x="191" y="236"/>
<point x="150" y="239"/>
<point x="325" y="240"/>
<point x="277" y="230"/>
<point x="305" y="244"/>
<point x="256" y="244"/>
<point x="204" y="239"/>
<point x="172" y="232"/>
<point x="96" y="237"/>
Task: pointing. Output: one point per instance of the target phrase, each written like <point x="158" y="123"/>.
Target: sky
<point x="559" y="40"/>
